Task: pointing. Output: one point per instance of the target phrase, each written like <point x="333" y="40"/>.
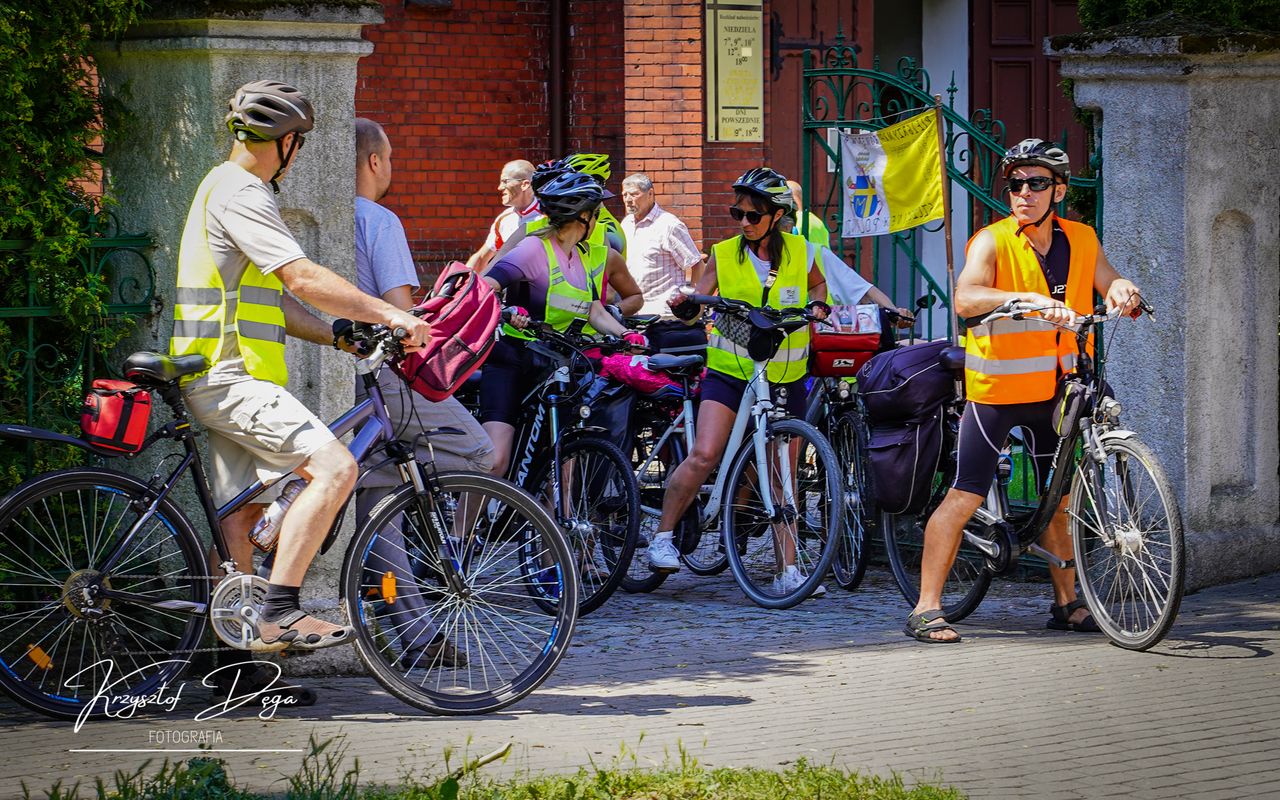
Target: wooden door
<point x="1011" y="75"/>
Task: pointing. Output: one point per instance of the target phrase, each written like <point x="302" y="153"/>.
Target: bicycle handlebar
<point x="741" y="308"/>
<point x="1019" y="309"/>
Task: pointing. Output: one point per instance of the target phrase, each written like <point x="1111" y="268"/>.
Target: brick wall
<point x="463" y="90"/>
<point x="664" y="99"/>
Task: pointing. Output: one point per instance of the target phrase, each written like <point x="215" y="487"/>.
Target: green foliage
<point x="51" y="116"/>
<point x="321" y="777"/>
<point x="1258" y="15"/>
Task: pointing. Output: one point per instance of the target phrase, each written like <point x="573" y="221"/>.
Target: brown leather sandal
<point x="298" y="630"/>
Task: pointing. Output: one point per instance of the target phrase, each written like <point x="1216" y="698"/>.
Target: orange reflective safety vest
<point x="1018" y="361"/>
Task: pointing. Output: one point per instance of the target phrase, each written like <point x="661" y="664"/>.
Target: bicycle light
<point x="1111" y="408"/>
<point x="584" y="411"/>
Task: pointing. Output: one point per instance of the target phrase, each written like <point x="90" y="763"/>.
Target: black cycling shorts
<point x="727" y="391"/>
<point x="508" y="375"/>
<point x="983" y="431"/>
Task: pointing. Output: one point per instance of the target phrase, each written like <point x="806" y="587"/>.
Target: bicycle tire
<point x="1145" y="554"/>
<point x="606" y="516"/>
<point x="903" y="535"/>
<point x="640" y="579"/>
<point x="124" y="648"/>
<point x="755" y="553"/>
<point x="849" y="441"/>
<point x="510" y="529"/>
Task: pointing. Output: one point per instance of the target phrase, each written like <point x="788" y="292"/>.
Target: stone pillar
<point x="176" y="74"/>
<point x="1191" y="184"/>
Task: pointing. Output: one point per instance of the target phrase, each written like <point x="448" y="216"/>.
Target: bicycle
<point x="105" y="587"/>
<point x="836" y="409"/>
<point x="1123" y="516"/>
<point x="794" y="510"/>
<point x="599" y="501"/>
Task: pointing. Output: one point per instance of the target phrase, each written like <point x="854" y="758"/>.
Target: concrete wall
<point x="177" y="75"/>
<point x="1192" y="214"/>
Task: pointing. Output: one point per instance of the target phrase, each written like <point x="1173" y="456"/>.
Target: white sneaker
<point x="791" y="579"/>
<point x="663" y="556"/>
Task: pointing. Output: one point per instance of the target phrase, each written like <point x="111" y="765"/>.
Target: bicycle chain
<point x="186" y="651"/>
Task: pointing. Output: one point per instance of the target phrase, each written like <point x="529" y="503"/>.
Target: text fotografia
<point x="184" y="737"/>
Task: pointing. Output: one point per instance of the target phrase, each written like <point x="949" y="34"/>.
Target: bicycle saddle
<point x="157" y="369"/>
<point x="952" y="358"/>
<point x="666" y="362"/>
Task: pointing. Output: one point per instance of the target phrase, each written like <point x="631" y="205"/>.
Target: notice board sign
<point x="735" y="71"/>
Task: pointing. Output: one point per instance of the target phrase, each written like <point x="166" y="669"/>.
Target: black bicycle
<point x="571" y="466"/>
<point x="1123" y="515"/>
<point x="105" y="589"/>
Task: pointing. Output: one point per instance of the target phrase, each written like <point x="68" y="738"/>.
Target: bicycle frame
<point x="995" y="508"/>
<point x="755" y="406"/>
<point x="376" y="428"/>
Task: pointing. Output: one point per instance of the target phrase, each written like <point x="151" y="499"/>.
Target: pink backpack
<point x="464" y="315"/>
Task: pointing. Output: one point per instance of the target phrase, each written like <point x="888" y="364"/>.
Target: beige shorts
<point x="257" y="431"/>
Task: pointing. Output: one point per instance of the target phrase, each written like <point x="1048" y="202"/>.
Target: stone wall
<point x="1192" y="215"/>
<point x="177" y="74"/>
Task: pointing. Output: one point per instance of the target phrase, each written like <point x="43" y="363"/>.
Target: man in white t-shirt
<point x="236" y="260"/>
<point x="516" y="190"/>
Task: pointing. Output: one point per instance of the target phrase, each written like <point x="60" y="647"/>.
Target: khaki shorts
<point x="257" y="431"/>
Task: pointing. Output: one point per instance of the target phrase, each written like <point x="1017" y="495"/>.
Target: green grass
<point x="323" y="776"/>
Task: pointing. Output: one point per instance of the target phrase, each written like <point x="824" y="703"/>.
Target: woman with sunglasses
<point x="553" y="275"/>
<point x="1012" y="367"/>
<point x="762" y="265"/>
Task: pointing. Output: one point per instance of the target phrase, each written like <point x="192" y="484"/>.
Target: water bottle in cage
<point x="266" y="532"/>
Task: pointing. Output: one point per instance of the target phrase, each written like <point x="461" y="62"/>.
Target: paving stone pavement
<point x="1015" y="711"/>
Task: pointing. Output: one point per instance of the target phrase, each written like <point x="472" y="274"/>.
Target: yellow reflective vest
<point x="205" y="310"/>
<point x="738" y="280"/>
<point x="1018" y="361"/>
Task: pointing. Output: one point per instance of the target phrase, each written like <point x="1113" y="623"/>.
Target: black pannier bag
<point x="905" y="383"/>
<point x="903" y="458"/>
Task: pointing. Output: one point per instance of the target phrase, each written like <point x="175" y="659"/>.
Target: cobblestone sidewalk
<point x="1016" y="711"/>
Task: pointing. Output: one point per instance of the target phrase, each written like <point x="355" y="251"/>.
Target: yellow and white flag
<point x="892" y="178"/>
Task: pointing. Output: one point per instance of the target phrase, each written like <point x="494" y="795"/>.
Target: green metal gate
<point x="46" y="361"/>
<point x="838" y="95"/>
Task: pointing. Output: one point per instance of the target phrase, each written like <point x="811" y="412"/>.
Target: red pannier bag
<point x="845" y="342"/>
<point x="464" y="315"/>
<point x="116" y="415"/>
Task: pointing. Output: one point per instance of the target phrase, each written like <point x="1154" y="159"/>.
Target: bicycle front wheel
<point x="778" y="561"/>
<point x="66" y="649"/>
<point x="1127" y="531"/>
<point x="599" y="507"/>
<point x="464" y="602"/>
<point x="849" y="441"/>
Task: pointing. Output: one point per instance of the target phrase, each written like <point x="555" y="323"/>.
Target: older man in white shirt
<point x="661" y="254"/>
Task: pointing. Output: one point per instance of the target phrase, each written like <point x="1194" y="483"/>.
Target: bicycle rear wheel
<point x="62" y="644"/>
<point x="601" y="504"/>
<point x="849" y="441"/>
<point x="808" y="521"/>
<point x="967" y="582"/>
<point x="1127" y="531"/>
<point x="507" y="619"/>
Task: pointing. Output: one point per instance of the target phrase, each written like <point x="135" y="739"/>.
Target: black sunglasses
<point x="589" y="217"/>
<point x="1038" y="184"/>
<point x="753" y="217"/>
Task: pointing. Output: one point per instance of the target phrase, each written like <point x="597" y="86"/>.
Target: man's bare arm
<point x="333" y="294"/>
<point x="624" y="283"/>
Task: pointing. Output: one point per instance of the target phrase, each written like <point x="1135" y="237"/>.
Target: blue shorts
<point x="720" y="388"/>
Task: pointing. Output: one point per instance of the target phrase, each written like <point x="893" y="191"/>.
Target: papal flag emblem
<point x="891" y="178"/>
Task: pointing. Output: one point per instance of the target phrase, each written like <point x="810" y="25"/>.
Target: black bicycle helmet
<point x="263" y="111"/>
<point x="547" y="170"/>
<point x="766" y="183"/>
<point x="1039" y="153"/>
<point x="566" y="196"/>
